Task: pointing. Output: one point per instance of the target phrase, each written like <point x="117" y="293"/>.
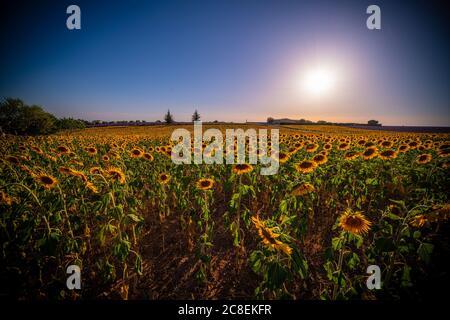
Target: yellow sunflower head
<point x="205" y="184"/>
<point x="424" y="158"/>
<point x="47" y="181"/>
<point x="164" y="178"/>
<point x="242" y="168"/>
<point x="354" y="222"/>
<point x="306" y="166"/>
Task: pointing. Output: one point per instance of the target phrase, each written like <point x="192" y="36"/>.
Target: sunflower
<point x="403" y="148"/>
<point x="37" y="149"/>
<point x="418" y="221"/>
<point x="12" y="159"/>
<point x="424" y="158"/>
<point x="46" y="180"/>
<point x="369" y="153"/>
<point x="269" y="237"/>
<point x="354" y="222"/>
<point x="388" y="154"/>
<point x="284" y="157"/>
<point x="444" y="152"/>
<point x="147" y="156"/>
<point x="302" y="189"/>
<point x="5" y="199"/>
<point x="306" y="166"/>
<point x="387" y="144"/>
<point x="164" y="178"/>
<point x="116" y="174"/>
<point x="242" y="168"/>
<point x="91" y="187"/>
<point x="311" y="147"/>
<point x="105" y="158"/>
<point x="205" y="184"/>
<point x="351" y="155"/>
<point x="91" y="150"/>
<point x="327" y="146"/>
<point x="95" y="170"/>
<point x="320" y="159"/>
<point x="136" y="153"/>
<point x="344" y="146"/>
<point x="63" y="149"/>
<point x="446" y="165"/>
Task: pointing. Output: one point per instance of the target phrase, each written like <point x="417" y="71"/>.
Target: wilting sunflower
<point x="424" y="158"/>
<point x="136" y="153"/>
<point x="320" y="159"/>
<point x="47" y="181"/>
<point x="306" y="166"/>
<point x="242" y="168"/>
<point x="147" y="156"/>
<point x="91" y="187"/>
<point x="116" y="174"/>
<point x="354" y="222"/>
<point x="388" y="154"/>
<point x="269" y="237"/>
<point x="5" y="199"/>
<point x="63" y="149"/>
<point x="418" y="220"/>
<point x="351" y="155"/>
<point x="95" y="170"/>
<point x="164" y="178"/>
<point x="12" y="159"/>
<point x="205" y="184"/>
<point x="369" y="153"/>
<point x="302" y="189"/>
<point x="37" y="149"/>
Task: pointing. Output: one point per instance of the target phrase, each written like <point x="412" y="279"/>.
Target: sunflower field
<point x="111" y="201"/>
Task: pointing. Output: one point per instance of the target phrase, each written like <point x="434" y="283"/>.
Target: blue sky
<point x="231" y="60"/>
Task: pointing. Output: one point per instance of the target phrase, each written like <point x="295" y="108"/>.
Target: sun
<point x="319" y="81"/>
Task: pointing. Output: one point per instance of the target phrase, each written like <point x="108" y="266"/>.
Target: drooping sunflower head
<point x="148" y="156"/>
<point x="47" y="181"/>
<point x="95" y="170"/>
<point x="164" y="178"/>
<point x="354" y="222"/>
<point x="12" y="160"/>
<point x="269" y="237"/>
<point x="63" y="149"/>
<point x="205" y="184"/>
<point x="242" y="168"/>
<point x="116" y="174"/>
<point x="423" y="158"/>
<point x="306" y="166"/>
<point x="302" y="189"/>
<point x="283" y="157"/>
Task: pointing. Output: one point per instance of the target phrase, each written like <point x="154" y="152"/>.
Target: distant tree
<point x="168" y="118"/>
<point x="69" y="123"/>
<point x="215" y="121"/>
<point x="270" y="120"/>
<point x="321" y="122"/>
<point x="195" y="116"/>
<point x="18" y="118"/>
<point x="373" y="123"/>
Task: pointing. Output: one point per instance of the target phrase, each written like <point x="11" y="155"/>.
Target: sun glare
<point x="319" y="81"/>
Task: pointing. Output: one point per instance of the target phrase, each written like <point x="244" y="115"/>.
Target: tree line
<point x="20" y="119"/>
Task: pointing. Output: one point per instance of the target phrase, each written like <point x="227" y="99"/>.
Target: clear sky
<point x="231" y="60"/>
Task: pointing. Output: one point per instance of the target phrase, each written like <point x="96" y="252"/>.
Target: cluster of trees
<point x="271" y="120"/>
<point x="18" y="118"/>
<point x="168" y="118"/>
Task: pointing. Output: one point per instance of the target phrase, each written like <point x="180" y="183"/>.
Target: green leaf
<point x="424" y="251"/>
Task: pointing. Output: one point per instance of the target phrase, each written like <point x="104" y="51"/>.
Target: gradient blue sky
<point x="231" y="60"/>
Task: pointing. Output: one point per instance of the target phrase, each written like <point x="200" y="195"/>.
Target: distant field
<point x="408" y="129"/>
<point x="111" y="201"/>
